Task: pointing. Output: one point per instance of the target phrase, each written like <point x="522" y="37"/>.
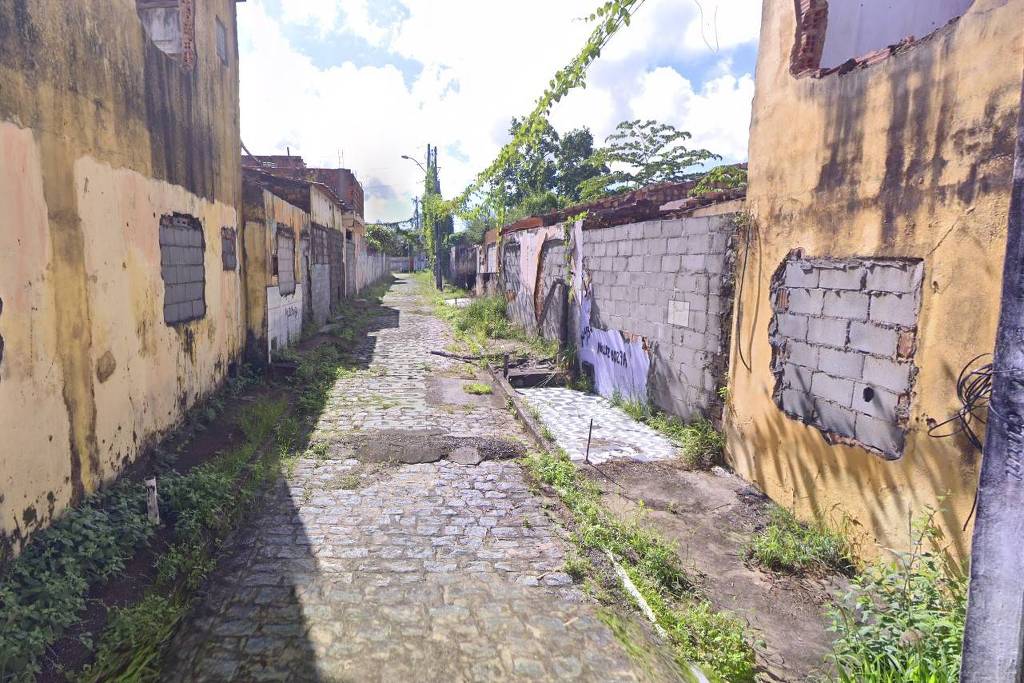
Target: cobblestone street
<point x="376" y="571"/>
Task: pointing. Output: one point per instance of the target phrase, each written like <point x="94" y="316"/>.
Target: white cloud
<point x="482" y="63"/>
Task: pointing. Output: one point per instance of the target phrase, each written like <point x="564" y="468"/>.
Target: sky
<point x="359" y="83"/>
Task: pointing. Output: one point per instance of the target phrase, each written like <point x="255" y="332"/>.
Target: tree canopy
<point x="643" y="153"/>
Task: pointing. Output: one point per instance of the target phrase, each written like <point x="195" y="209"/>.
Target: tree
<point x="644" y="153"/>
<point x="534" y="169"/>
<point x="575" y="164"/>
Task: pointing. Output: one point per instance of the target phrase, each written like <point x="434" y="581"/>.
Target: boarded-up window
<point x="182" y="247"/>
<point x="228" y="250"/>
<point x="285" y="261"/>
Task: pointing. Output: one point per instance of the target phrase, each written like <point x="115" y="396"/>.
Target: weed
<point x="510" y="405"/>
<point x="908" y="623"/>
<point x="43" y="591"/>
<point x="700" y="443"/>
<point x="787" y="545"/>
<point x="348" y="482"/>
<point x="577" y="565"/>
<point x="547" y="434"/>
<point x="478" y="389"/>
<point x="699" y="634"/>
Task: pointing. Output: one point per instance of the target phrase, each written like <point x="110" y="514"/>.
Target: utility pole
<point x="994" y="636"/>
<point x="432" y="166"/>
<point x="416" y="228"/>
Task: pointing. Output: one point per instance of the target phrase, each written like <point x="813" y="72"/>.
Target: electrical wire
<point x="973" y="390"/>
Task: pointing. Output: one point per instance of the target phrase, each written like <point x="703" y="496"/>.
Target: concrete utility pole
<point x="994" y="638"/>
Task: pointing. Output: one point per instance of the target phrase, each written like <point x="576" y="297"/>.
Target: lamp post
<point x="435" y="228"/>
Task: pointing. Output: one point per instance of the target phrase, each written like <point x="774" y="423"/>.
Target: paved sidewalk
<point x="387" y="572"/>
<point x="567" y="413"/>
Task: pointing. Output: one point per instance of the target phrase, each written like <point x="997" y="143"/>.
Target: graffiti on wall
<point x="621" y="362"/>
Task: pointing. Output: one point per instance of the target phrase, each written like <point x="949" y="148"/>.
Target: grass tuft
<point x="788" y="545"/>
<point x="699" y="442"/>
<point x="478" y="389"/>
<point x="908" y="621"/>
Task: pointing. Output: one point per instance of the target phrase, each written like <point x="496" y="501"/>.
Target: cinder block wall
<point x="669" y="282"/>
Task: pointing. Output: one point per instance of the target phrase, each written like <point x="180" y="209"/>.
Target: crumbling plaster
<point x="90" y="372"/>
<point x="910" y="157"/>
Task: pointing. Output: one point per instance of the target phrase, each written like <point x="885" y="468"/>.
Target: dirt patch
<point x="417" y="446"/>
<point x="713" y="519"/>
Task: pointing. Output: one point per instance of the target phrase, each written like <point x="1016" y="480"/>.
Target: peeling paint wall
<point x="533" y="280"/>
<point x="284" y="223"/>
<point x="907" y="158"/>
<point x="91" y="373"/>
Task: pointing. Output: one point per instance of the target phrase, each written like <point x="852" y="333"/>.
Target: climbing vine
<point x="608" y="19"/>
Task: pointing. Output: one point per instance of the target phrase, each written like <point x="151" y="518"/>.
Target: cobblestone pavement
<point x="567" y="413"/>
<point x="383" y="572"/>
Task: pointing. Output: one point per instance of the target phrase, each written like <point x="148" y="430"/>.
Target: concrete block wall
<point x="320" y="276"/>
<point x="669" y="282"/>
<point x="843" y="337"/>
<point x="182" y="251"/>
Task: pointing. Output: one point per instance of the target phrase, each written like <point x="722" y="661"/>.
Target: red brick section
<point x="811" y="22"/>
<point x="906" y="345"/>
<point x="668" y="200"/>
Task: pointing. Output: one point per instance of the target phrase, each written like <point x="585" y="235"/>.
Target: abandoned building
<point x="825" y="317"/>
<point x="871" y="271"/>
<point x="135" y="287"/>
<point x="306" y="251"/>
<point x="118" y="312"/>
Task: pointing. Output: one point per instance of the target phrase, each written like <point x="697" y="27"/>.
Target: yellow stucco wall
<point x="909" y="157"/>
<point x="100" y="135"/>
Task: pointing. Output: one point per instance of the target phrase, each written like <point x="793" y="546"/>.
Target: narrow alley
<point x="365" y="568"/>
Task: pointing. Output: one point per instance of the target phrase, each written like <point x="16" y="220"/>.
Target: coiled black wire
<point x="973" y="390"/>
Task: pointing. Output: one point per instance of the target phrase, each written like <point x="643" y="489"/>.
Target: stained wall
<point x="909" y="157"/>
<point x="101" y="134"/>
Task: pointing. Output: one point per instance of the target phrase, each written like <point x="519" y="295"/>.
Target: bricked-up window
<point x="228" y="248"/>
<point x="285" y="261"/>
<point x="182" y="247"/>
<point x="843" y="337"/>
<point x="833" y="33"/>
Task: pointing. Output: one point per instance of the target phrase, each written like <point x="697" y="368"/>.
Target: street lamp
<point x="435" y="227"/>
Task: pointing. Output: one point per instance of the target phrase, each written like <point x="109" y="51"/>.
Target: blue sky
<point x="365" y="81"/>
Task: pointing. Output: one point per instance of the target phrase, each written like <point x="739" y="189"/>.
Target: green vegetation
<point x="700" y="443"/>
<point x="204" y="506"/>
<point x="787" y="545"/>
<point x="482" y="321"/>
<point x="478" y="389"/>
<point x="699" y="635"/>
<point x="643" y="153"/>
<point x="908" y="623"/>
<point x="43" y="592"/>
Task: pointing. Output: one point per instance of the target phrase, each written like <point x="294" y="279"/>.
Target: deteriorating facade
<point x="119" y="175"/>
<point x="641" y="288"/>
<point x="880" y="175"/>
